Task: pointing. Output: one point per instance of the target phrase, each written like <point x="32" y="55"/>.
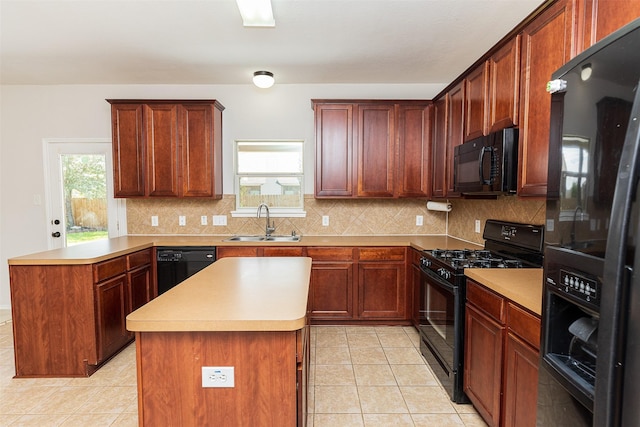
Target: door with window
<point x="79" y="193"/>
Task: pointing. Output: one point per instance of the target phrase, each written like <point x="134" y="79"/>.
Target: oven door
<point x="441" y="330"/>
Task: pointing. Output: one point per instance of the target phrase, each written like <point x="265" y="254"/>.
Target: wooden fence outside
<point x="89" y="213"/>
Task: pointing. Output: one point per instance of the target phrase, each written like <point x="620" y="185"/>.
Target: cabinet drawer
<point x="289" y="251"/>
<point x="382" y="254"/>
<point x="113" y="267"/>
<point x="237" y="251"/>
<point x="139" y="258"/>
<point x="331" y="254"/>
<point x="524" y="324"/>
<point x="487" y="301"/>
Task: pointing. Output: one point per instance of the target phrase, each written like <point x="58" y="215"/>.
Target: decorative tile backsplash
<point x="346" y="217"/>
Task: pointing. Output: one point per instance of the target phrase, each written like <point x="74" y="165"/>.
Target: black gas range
<point x="443" y="293"/>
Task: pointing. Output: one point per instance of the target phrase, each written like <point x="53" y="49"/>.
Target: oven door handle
<point x="439" y="280"/>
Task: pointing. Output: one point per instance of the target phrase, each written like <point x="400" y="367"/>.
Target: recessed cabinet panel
<point x="376" y="150"/>
<point x="128" y="150"/>
<point x="414" y="154"/>
<point x="334" y="150"/>
<point x="162" y="138"/>
<point x="477" y="86"/>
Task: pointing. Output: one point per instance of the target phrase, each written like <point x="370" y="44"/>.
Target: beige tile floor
<point x="359" y="376"/>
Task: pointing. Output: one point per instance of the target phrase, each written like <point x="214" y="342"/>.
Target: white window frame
<point x="275" y="212"/>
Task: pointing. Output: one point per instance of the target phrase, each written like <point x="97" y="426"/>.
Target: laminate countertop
<point x="233" y="294"/>
<point x="521" y="285"/>
<point x="90" y="253"/>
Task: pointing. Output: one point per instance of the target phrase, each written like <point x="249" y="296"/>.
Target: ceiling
<point x="48" y="42"/>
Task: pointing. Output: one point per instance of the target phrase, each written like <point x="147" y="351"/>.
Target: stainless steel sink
<point x="245" y="239"/>
<point x="295" y="238"/>
<point x="291" y="238"/>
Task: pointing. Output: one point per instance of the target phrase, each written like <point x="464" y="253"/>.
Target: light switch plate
<point x="182" y="220"/>
<point x="325" y="220"/>
<point x="203" y="220"/>
<point x="219" y="220"/>
<point x="154" y="220"/>
<point x="419" y="220"/>
<point x="477" y="226"/>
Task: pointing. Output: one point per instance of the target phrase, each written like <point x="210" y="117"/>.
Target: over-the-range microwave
<point x="487" y="165"/>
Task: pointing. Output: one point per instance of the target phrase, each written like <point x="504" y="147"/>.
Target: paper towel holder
<point x="439" y="206"/>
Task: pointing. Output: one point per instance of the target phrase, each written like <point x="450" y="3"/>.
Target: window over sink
<point x="271" y="172"/>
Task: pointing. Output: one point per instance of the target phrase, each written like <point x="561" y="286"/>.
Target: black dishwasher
<point x="175" y="264"/>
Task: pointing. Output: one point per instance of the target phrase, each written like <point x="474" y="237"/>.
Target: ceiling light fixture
<point x="263" y="79"/>
<point x="256" y="13"/>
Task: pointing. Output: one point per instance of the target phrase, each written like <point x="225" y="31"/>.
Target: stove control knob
<point x="444" y="273"/>
<point x="425" y="262"/>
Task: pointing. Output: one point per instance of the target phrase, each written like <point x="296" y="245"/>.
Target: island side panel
<point x="52" y="310"/>
<point x="170" y="388"/>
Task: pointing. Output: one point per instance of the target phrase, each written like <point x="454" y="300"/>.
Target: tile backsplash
<point x="346" y="217"/>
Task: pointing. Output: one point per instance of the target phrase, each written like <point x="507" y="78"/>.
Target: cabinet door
<point x="483" y="364"/>
<point x="455" y="133"/>
<point x="477" y="90"/>
<point x="439" y="147"/>
<point x="376" y="150"/>
<point x="414" y="151"/>
<point x="197" y="151"/>
<point x="504" y="86"/>
<point x="283" y="251"/>
<point x="603" y="17"/>
<point x="111" y="310"/>
<point x="334" y="150"/>
<point x="162" y="134"/>
<point x="128" y="150"/>
<point x="521" y="383"/>
<point x="139" y="287"/>
<point x="331" y="293"/>
<point x="547" y="43"/>
<point x="381" y="291"/>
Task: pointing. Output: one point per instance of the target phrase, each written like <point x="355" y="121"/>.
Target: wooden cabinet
<point x="359" y="145"/>
<point x="501" y="358"/>
<point x="381" y="283"/>
<point x="68" y="319"/>
<point x="456" y="99"/>
<point x="164" y="148"/>
<point x="484" y="337"/>
<point x="334" y="150"/>
<point x="476" y="103"/>
<point x="414" y="284"/>
<point x="376" y="146"/>
<point x="603" y="17"/>
<point x="254" y="251"/>
<point x="439" y="148"/>
<point x="414" y="153"/>
<point x="547" y="43"/>
<point x="331" y="292"/>
<point x="504" y="86"/>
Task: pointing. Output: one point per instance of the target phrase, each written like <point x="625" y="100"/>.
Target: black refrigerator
<point x="590" y="342"/>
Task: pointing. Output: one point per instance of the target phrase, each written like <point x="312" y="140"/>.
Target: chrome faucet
<point x="269" y="228"/>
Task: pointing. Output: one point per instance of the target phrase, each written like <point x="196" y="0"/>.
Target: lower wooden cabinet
<point x="381" y="283"/>
<point x="68" y="319"/>
<point x="501" y="358"/>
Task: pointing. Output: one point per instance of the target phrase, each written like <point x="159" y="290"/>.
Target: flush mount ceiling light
<point x="263" y="79"/>
<point x="585" y="73"/>
<point x="256" y="13"/>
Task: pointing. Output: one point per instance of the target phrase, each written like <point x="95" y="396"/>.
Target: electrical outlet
<point x="219" y="220"/>
<point x="419" y="220"/>
<point x="218" y="376"/>
<point x="203" y="220"/>
<point x="325" y="220"/>
<point x="477" y="226"/>
<point x="154" y="220"/>
<point x="182" y="220"/>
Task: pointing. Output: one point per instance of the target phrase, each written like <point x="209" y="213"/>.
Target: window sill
<point x="273" y="213"/>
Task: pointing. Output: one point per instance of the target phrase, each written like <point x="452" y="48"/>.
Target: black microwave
<point x="487" y="165"/>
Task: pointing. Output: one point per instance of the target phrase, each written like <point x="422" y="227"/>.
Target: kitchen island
<point x="245" y="313"/>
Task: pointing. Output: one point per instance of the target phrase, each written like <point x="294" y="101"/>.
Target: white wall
<point x="29" y="114"/>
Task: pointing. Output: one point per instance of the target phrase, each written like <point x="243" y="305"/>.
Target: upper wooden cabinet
<point x="504" y="86"/>
<point x="167" y="148"/>
<point x="547" y="43"/>
<point x="371" y="149"/>
<point x="439" y="144"/>
<point x="456" y="115"/>
<point x="476" y="102"/>
<point x="603" y="17"/>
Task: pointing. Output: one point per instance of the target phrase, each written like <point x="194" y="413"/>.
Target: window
<point x="269" y="172"/>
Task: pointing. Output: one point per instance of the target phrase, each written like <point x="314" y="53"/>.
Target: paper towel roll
<point x="439" y="206"/>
